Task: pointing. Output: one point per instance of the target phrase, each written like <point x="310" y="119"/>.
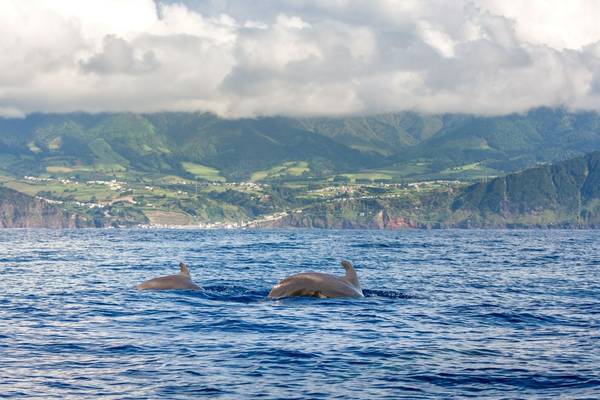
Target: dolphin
<point x="182" y="280"/>
<point x="317" y="284"/>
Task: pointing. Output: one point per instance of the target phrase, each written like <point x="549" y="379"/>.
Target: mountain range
<point x="123" y="169"/>
<point x="396" y="147"/>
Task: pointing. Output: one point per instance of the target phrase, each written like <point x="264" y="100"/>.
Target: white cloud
<point x="298" y="57"/>
<point x="118" y="56"/>
<point x="558" y="24"/>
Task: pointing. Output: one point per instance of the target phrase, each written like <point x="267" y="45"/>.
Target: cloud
<point x="118" y="56"/>
<point x="9" y="112"/>
<point x="298" y="57"/>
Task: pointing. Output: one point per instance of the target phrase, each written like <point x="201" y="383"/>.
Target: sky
<point x="248" y="58"/>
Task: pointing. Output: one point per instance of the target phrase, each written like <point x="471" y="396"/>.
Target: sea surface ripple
<point x="494" y="314"/>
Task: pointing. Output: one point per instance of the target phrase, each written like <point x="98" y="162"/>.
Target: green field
<point x="374" y="175"/>
<point x="472" y="171"/>
<point x="203" y="172"/>
<point x="57" y="169"/>
<point x="288" y="169"/>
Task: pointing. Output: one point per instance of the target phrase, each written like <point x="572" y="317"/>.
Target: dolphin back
<point x="314" y="284"/>
<point x="183" y="280"/>
<point x="170" y="282"/>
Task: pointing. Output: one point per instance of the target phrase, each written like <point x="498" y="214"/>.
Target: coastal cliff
<point x="18" y="210"/>
<point x="560" y="195"/>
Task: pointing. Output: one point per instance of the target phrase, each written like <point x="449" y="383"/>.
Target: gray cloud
<point x="118" y="56"/>
<point x="297" y="57"/>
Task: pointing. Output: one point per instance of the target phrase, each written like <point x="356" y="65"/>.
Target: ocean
<point x="449" y="313"/>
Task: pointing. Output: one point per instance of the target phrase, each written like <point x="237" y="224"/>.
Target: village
<point x="179" y="202"/>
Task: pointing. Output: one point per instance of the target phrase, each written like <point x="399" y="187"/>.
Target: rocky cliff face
<point x="561" y="195"/>
<point x="361" y="214"/>
<point x="17" y="210"/>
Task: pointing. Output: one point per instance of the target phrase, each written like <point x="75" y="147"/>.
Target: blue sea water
<point x="483" y="314"/>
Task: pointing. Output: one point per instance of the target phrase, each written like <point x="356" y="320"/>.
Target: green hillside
<point x="385" y="134"/>
<point x="166" y="143"/>
<point x="507" y="143"/>
<point x="398" y="147"/>
<point x="561" y="194"/>
<point x="564" y="194"/>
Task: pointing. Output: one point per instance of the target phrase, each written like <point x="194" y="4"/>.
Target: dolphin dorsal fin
<point x="184" y="270"/>
<point x="351" y="276"/>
